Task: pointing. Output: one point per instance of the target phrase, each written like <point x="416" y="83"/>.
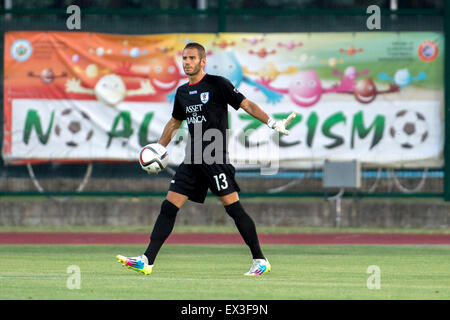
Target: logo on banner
<point x="428" y="51"/>
<point x="204" y="97"/>
<point x="21" y="50"/>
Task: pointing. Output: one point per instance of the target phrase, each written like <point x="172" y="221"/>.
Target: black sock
<point x="161" y="230"/>
<point x="246" y="228"/>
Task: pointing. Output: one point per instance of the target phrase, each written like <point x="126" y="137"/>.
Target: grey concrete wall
<point x="414" y="213"/>
<point x="316" y="212"/>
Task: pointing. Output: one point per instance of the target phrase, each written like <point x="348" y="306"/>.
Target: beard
<point x="193" y="70"/>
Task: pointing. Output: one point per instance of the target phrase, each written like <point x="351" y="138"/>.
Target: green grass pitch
<point x="204" y="272"/>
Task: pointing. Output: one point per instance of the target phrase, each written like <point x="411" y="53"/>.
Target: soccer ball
<point x="153" y="158"/>
<point x="409" y="128"/>
<point x="74" y="127"/>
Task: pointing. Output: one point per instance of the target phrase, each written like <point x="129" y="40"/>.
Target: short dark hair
<point x="198" y="46"/>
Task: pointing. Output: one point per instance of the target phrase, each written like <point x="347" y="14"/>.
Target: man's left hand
<point x="280" y="125"/>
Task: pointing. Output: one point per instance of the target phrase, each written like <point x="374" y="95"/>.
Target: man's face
<point x="192" y="64"/>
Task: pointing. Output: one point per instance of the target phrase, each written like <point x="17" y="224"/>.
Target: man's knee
<point x="229" y="199"/>
<point x="177" y="199"/>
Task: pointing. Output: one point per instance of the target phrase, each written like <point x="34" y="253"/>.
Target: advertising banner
<point x="83" y="97"/>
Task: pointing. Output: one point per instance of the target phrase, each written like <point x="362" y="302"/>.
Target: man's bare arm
<point x="254" y="110"/>
<point x="169" y="131"/>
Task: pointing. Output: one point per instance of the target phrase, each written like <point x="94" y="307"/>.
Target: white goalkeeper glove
<point x="280" y="125"/>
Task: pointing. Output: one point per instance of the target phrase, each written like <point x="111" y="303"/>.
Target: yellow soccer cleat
<point x="259" y="267"/>
<point x="139" y="264"/>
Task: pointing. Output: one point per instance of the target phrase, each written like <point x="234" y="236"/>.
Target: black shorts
<point x="193" y="180"/>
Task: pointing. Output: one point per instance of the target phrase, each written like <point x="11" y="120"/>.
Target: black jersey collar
<point x="193" y="84"/>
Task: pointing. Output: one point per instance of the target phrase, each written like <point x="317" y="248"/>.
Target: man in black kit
<point x="202" y="102"/>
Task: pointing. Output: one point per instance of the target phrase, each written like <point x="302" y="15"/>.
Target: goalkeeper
<point x="203" y="103"/>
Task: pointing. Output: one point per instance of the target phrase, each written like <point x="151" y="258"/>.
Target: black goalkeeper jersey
<point x="204" y="106"/>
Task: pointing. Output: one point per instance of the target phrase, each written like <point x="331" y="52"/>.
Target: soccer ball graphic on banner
<point x="153" y="158"/>
<point x="73" y="127"/>
<point x="409" y="128"/>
